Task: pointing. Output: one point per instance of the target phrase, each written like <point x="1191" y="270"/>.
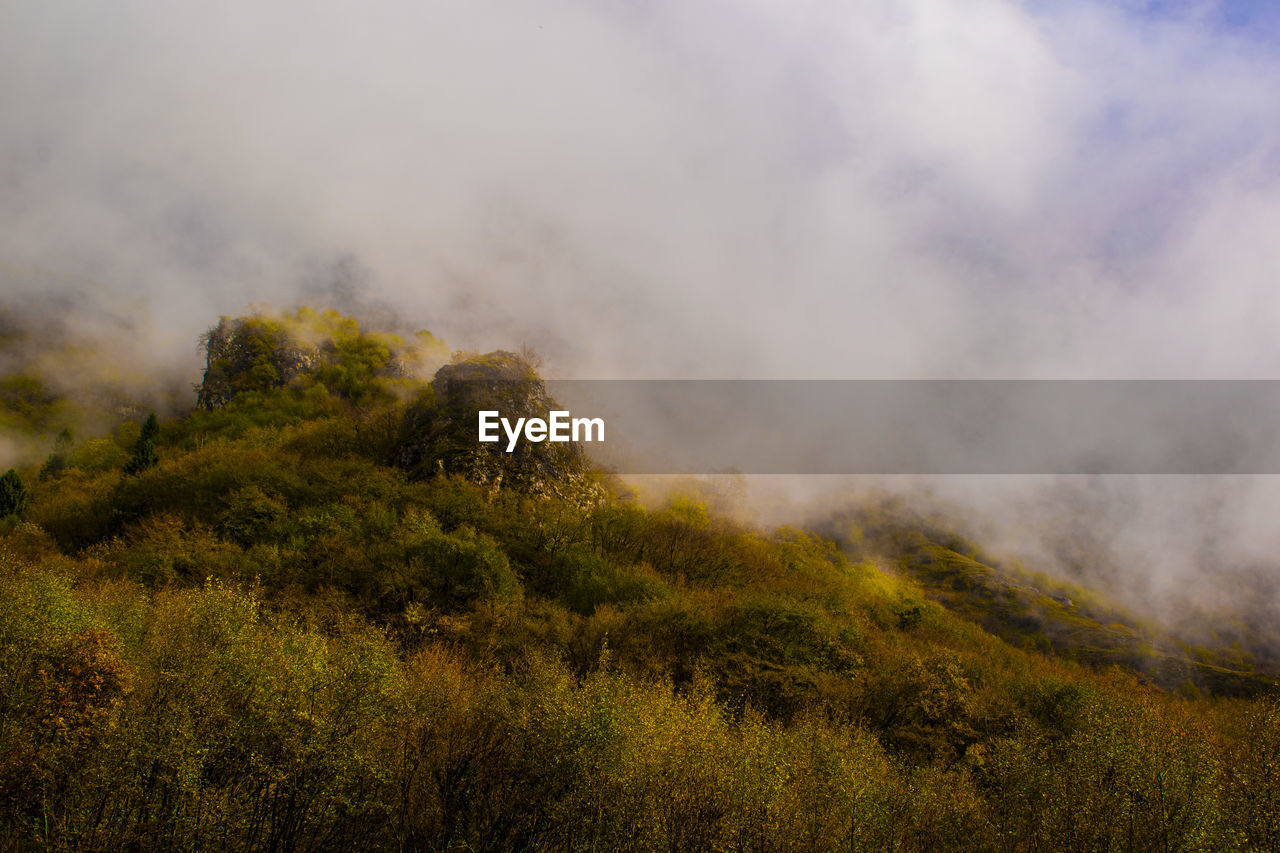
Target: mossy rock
<point x="440" y="432"/>
<point x="249" y="354"/>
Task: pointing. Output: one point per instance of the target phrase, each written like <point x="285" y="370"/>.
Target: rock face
<point x="264" y="352"/>
<point x="440" y="432"/>
<point x="249" y="354"/>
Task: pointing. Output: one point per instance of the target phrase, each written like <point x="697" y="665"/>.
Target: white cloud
<point x="754" y="188"/>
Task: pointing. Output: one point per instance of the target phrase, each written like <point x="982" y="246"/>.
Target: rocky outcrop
<point x="249" y="354"/>
<point x="264" y="352"/>
<point x="439" y="435"/>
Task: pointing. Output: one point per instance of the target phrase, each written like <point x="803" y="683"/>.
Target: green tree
<point x="14" y="499"/>
<point x="57" y="461"/>
<point x="144" y="450"/>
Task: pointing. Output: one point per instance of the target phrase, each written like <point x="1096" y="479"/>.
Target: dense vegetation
<point x="1034" y="610"/>
<point x="275" y="623"/>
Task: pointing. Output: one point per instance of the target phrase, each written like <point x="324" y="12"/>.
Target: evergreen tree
<point x="14" y="499"/>
<point x="144" y="450"/>
<point x="57" y="461"/>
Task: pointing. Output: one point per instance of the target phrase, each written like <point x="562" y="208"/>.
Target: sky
<point x="880" y="189"/>
<point x="1256" y="18"/>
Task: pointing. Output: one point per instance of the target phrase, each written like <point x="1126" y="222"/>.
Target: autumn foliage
<point x="272" y="637"/>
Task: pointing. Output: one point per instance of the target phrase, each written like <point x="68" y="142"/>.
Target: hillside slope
<point x="1037" y="611"/>
<point x="287" y="633"/>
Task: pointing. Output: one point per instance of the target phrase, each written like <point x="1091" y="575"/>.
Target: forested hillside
<point x="307" y="613"/>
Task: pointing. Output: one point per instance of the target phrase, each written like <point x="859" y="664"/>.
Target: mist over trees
<point x="296" y="607"/>
<point x="285" y="632"/>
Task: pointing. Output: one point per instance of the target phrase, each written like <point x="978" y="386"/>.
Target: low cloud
<point x="899" y="189"/>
